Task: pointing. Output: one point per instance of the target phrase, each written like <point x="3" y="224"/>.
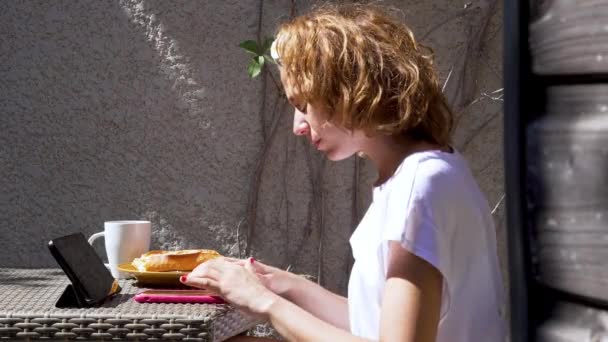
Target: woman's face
<point x="336" y="142"/>
<point x="309" y="120"/>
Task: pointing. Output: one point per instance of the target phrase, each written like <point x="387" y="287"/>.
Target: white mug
<point x="125" y="241"/>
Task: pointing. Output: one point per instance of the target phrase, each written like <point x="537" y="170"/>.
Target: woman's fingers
<point x="199" y="282"/>
<point x="207" y="270"/>
<point x="239" y="285"/>
<point x="249" y="265"/>
<point x="210" y="272"/>
<point x="240" y="262"/>
<point x="259" y="267"/>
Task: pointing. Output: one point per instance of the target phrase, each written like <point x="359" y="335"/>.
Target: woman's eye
<point x="301" y="109"/>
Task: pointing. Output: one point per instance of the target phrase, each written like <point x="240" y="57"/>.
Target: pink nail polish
<point x="251" y="260"/>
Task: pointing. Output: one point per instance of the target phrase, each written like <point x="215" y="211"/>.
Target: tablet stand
<point x="69" y="299"/>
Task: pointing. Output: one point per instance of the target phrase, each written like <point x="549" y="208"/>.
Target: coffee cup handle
<point x="95" y="237"/>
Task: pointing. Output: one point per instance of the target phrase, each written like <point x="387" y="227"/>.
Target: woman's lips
<point x="316" y="143"/>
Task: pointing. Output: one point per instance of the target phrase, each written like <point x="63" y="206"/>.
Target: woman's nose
<point x="301" y="129"/>
<point x="300" y="126"/>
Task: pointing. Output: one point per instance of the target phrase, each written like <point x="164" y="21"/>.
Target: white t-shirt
<point x="433" y="207"/>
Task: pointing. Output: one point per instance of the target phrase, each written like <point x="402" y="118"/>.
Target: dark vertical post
<point x="515" y="74"/>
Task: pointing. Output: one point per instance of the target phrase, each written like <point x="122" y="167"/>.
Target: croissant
<point x="182" y="260"/>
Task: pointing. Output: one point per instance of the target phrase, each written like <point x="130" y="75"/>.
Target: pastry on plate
<point x="182" y="260"/>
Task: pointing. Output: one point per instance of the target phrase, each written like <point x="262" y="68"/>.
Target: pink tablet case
<point x="184" y="297"/>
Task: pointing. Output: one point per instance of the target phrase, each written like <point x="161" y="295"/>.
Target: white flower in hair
<point x="273" y="51"/>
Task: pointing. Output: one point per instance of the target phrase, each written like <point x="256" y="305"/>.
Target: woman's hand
<point x="236" y="282"/>
<point x="275" y="279"/>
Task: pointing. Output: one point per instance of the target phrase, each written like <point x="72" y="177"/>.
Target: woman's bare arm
<point x="320" y="302"/>
<point x="410" y="308"/>
<point x="412" y="298"/>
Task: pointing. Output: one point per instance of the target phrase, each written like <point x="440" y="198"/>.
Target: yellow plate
<point x="152" y="278"/>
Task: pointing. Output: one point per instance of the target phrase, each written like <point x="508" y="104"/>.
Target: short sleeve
<point x="411" y="220"/>
<point x="414" y="227"/>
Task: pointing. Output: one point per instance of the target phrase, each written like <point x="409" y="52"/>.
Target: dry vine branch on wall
<point x="263" y="76"/>
<point x="354" y="219"/>
<point x="498" y="204"/>
<point x="487" y="120"/>
<point x="460" y="90"/>
<point x="254" y="190"/>
<point x="312" y="205"/>
<point x="317" y="204"/>
<point x="456" y="15"/>
<point x="293" y="10"/>
<point x="238" y="238"/>
<point x="315" y="168"/>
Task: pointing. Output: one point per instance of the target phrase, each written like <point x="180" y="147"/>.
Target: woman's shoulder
<point x="431" y="168"/>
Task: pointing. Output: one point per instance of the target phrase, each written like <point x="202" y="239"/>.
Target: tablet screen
<point x="92" y="281"/>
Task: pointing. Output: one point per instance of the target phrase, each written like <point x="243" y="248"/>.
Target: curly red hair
<point x="367" y="69"/>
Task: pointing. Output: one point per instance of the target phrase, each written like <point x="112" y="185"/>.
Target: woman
<point x="425" y="267"/>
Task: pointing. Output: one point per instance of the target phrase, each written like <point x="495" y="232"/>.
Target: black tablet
<point x="91" y="281"/>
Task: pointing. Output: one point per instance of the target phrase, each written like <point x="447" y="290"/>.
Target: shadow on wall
<point x="99" y="123"/>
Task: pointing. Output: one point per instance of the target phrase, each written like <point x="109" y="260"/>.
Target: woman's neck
<point x="388" y="152"/>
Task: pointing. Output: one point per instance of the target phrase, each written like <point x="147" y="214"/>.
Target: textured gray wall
<point x="141" y="109"/>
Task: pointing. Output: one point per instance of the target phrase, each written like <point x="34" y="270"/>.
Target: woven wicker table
<point x="27" y="312"/>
